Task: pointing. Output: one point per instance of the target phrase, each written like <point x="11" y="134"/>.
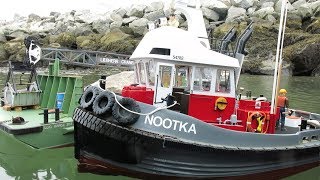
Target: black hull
<point x="105" y="147"/>
<point x="95" y="164"/>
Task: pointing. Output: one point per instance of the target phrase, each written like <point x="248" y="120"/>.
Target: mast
<point x="194" y="16"/>
<point x="278" y="64"/>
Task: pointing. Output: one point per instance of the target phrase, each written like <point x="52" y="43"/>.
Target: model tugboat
<point x="183" y="118"/>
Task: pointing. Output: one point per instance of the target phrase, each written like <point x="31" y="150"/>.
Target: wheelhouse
<point x="175" y="63"/>
<point x="179" y="65"/>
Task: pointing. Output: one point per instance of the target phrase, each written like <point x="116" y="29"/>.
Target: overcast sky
<point x="44" y="7"/>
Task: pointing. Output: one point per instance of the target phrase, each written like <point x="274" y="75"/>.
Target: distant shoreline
<point x="43" y="9"/>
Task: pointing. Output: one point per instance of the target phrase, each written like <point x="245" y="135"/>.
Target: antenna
<point x="276" y="79"/>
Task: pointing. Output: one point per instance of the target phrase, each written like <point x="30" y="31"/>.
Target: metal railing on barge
<point x="86" y="58"/>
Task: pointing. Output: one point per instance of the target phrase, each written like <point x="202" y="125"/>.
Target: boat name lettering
<point x="178" y="57"/>
<point x="59" y="125"/>
<point x="167" y="123"/>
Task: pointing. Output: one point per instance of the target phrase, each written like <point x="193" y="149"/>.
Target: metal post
<point x="57" y="115"/>
<point x="45" y="116"/>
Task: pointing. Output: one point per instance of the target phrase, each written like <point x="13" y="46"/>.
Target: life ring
<point x="261" y="119"/>
<point x="261" y="99"/>
<point x="124" y="117"/>
<point x="221" y="103"/>
<point x="88" y="97"/>
<point x="103" y="103"/>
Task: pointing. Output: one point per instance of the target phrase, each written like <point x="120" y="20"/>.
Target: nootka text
<point x="173" y="124"/>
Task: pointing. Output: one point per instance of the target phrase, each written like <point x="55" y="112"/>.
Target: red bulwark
<point x="204" y="108"/>
<point x="251" y="106"/>
<point x="139" y="93"/>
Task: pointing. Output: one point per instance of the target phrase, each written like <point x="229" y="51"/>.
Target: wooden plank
<point x="6" y="108"/>
<point x="19" y="108"/>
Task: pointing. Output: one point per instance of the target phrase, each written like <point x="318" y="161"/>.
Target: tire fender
<point x="88" y="97"/>
<point x="124" y="117"/>
<point x="103" y="103"/>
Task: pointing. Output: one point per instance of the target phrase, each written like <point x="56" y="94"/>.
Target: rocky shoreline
<point x="121" y="30"/>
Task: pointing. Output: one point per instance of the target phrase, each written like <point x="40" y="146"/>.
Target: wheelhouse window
<point x="136" y="71"/>
<point x="165" y="75"/>
<point x="202" y="79"/>
<point x="223" y="81"/>
<point x="160" y="51"/>
<point x="182" y="79"/>
<point x="150" y="72"/>
<point x="141" y="73"/>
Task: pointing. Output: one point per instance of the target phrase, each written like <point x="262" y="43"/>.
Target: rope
<point x="143" y="114"/>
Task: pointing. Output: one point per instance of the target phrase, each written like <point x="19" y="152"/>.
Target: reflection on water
<point x="303" y="93"/>
<point x="45" y="164"/>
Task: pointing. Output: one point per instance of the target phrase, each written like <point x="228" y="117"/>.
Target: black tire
<point x="122" y="116"/>
<point x="88" y="97"/>
<point x="103" y="103"/>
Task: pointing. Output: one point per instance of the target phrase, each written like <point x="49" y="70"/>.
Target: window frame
<point x="201" y="91"/>
<point x="219" y="76"/>
<point x="150" y="63"/>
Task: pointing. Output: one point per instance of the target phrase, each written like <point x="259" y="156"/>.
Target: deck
<point x="34" y="132"/>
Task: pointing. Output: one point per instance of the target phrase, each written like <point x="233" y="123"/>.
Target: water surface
<point x="303" y="92"/>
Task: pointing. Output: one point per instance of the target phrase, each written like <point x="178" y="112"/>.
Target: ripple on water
<point x="303" y="92"/>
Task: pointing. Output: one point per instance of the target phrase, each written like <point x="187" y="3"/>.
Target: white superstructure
<point x="168" y="57"/>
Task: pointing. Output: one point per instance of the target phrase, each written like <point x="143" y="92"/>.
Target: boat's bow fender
<point x="103" y="103"/>
<point x="88" y="97"/>
<point x="125" y="117"/>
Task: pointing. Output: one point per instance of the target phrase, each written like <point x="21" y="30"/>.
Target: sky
<point x="44" y="7"/>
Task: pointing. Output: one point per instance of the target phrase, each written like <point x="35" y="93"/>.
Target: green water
<point x="303" y="93"/>
<point x="45" y="164"/>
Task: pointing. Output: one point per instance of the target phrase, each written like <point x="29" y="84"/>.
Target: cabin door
<point x="164" y="82"/>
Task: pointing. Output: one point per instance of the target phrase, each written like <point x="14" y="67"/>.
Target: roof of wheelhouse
<point x="180" y="43"/>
